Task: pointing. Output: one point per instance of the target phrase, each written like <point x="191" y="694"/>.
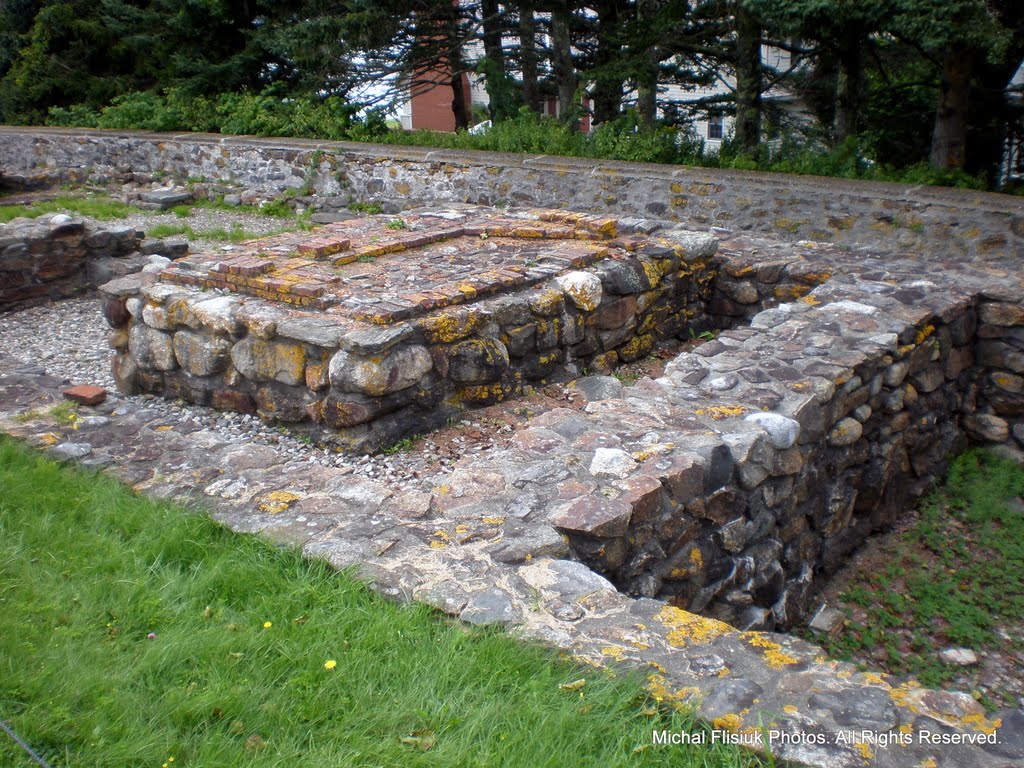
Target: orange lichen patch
<point x="873" y="678"/>
<point x="616" y="652"/>
<point x="924" y="333"/>
<point x="981" y="723"/>
<point x="730" y="722"/>
<point x="277" y="501"/>
<point x="771" y="652"/>
<point x="864" y="750"/>
<point x="659" y="449"/>
<point x="720" y="412"/>
<point x="687" y="628"/>
<point x="791" y="292"/>
<point x="811" y="300"/>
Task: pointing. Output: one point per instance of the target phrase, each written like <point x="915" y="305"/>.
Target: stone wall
<point x="759" y="460"/>
<point x="53" y="257"/>
<point x="889" y="217"/>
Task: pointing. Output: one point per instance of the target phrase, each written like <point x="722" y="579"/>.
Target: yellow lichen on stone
<point x="676" y="187"/>
<point x="789" y="709"/>
<point x="981" y="723"/>
<point x="637" y="347"/>
<point x="928" y="763"/>
<point x="687" y="628"/>
<point x="790" y="292"/>
<point x="493" y="520"/>
<point x="719" y="412"/>
<point x="811" y="300"/>
<point x="730" y="722"/>
<point x="448" y="327"/>
<point x="547" y="302"/>
<point x="864" y="750"/>
<point x="924" y="333"/>
<point x="771" y="651"/>
<point x="277" y="501"/>
<point x="654" y="450"/>
<point x="616" y="652"/>
<point x="461" y="528"/>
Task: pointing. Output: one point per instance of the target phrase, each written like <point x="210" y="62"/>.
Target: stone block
<point x="260" y="360"/>
<point x="592" y="516"/>
<point x="201" y="355"/>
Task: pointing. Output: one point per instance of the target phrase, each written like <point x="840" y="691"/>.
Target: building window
<point x="716" y="127"/>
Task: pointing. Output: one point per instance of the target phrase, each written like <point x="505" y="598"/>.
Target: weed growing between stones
<point x="65" y="414"/>
<point x="100" y="208"/>
<point x="134" y="631"/>
<point x="955" y="578"/>
<point x="361" y="207"/>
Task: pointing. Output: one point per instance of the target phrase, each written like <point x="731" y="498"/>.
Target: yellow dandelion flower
<point x="330" y="664"/>
<point x="268" y="624"/>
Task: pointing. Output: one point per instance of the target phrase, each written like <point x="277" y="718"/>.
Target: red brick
<point x="85" y="394"/>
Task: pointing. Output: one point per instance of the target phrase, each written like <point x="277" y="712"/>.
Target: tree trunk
<point x="459" y="102"/>
<point x="500" y="88"/>
<point x="647" y="81"/>
<point x="849" y="86"/>
<point x="528" y="57"/>
<point x="950" y="135"/>
<point x="563" y="68"/>
<point x="747" y="130"/>
<point x="608" y="79"/>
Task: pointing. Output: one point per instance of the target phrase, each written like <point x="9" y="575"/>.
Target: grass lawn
<point x="953" y="579"/>
<point x="134" y="632"/>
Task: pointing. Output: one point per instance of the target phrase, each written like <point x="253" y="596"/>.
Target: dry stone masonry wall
<point x="53" y="257"/>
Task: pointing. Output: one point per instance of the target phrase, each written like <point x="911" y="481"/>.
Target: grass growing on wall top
<point x="259" y="658"/>
<point x="101" y="208"/>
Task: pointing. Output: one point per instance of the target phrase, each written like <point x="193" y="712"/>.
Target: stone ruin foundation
<point x="726" y="487"/>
